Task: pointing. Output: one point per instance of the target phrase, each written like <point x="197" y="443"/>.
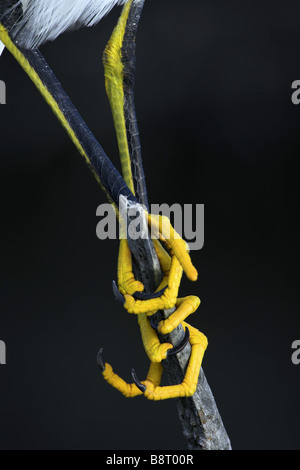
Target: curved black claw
<point x="100" y="361"/>
<point x="139" y="385"/>
<point x="144" y="296"/>
<point x="118" y="296"/>
<point x="178" y="349"/>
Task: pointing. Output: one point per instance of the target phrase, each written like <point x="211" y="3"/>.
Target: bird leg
<point x="114" y="84"/>
<point x="174" y="259"/>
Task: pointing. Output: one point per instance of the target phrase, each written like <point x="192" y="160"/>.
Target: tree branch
<point x="201" y="421"/>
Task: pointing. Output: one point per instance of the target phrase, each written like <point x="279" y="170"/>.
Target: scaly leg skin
<point x="150" y="388"/>
<point x="128" y="390"/>
<point x="184" y="308"/>
<point x="165" y="302"/>
<point x="171" y="281"/>
<point x="162" y="229"/>
<point x="132" y="390"/>
<point x="155" y="350"/>
<point x="127" y="282"/>
<point x="160" y="226"/>
<point x="173" y="267"/>
<point x="115" y="60"/>
<point x="189" y="385"/>
<point x="172" y="277"/>
<point x="113" y="71"/>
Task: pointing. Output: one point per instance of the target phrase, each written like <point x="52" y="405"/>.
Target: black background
<point x="213" y="95"/>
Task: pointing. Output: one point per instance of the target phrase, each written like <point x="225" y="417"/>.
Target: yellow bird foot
<point x="161" y="229"/>
<point x="151" y="388"/>
<point x="136" y="301"/>
<point x="155" y="350"/>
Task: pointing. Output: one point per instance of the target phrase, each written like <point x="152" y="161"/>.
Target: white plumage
<point x="2" y="47"/>
<point x="45" y="20"/>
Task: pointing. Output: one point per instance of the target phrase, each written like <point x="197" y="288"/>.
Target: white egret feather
<point x="45" y="20"/>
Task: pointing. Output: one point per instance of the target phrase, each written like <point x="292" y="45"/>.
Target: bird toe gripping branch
<point x="129" y="288"/>
<point x="173" y="257"/>
<point x="159" y="264"/>
<point x="170" y="249"/>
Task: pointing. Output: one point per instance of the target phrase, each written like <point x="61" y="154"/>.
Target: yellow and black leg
<point x="37" y="69"/>
<point x="119" y="65"/>
<point x="119" y="70"/>
<point x="119" y="60"/>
